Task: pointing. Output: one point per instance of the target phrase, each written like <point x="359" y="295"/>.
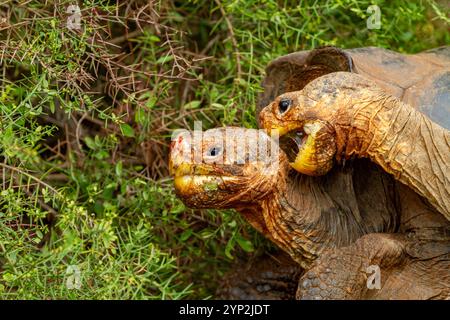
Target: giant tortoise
<point x="354" y="218"/>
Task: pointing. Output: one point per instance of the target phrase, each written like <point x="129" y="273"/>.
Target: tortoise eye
<point x="214" y="151"/>
<point x="284" y="105"/>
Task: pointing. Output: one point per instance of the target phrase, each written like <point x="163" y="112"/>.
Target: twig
<point x="233" y="38"/>
<point x="4" y="165"/>
<point x="126" y="36"/>
<point x="53" y="213"/>
<point x="78" y="129"/>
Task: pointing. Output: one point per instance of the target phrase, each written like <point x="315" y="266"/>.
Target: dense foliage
<point x="86" y="116"/>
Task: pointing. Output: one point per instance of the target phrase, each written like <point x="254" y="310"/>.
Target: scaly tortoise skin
<point x="313" y="221"/>
<point x="337" y="225"/>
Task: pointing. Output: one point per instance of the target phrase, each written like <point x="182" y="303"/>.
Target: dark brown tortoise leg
<point x="269" y="277"/>
<point x="342" y="273"/>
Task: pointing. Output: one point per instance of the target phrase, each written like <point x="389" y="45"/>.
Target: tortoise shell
<point x="421" y="80"/>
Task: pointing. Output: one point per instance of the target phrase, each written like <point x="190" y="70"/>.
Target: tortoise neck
<point x="405" y="143"/>
<point x="292" y="217"/>
<point x="313" y="214"/>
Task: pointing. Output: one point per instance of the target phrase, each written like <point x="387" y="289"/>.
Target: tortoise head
<point x="225" y="167"/>
<point x="307" y="120"/>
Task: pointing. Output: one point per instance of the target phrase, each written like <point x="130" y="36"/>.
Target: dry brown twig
<point x="233" y="39"/>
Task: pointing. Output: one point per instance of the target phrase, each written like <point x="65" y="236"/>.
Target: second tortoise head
<point x="311" y="118"/>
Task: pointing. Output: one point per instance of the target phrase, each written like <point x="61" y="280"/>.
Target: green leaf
<point x="52" y="106"/>
<point x="232" y="224"/>
<point x="44" y="83"/>
<point x="186" y="235"/>
<point x="178" y="208"/>
<point x="164" y="59"/>
<point x="119" y="166"/>
<point x="89" y="142"/>
<point x="127" y="130"/>
<point x="217" y="105"/>
<point x="154" y="38"/>
<point x="245" y="244"/>
<point x="206" y="234"/>
<point x="140" y="116"/>
<point x="151" y="102"/>
<point x="102" y="154"/>
<point x="192" y="105"/>
<point x="229" y="247"/>
<point x="9" y="277"/>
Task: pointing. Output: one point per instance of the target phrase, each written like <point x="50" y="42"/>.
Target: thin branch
<point x="4" y="165"/>
<point x="233" y="38"/>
